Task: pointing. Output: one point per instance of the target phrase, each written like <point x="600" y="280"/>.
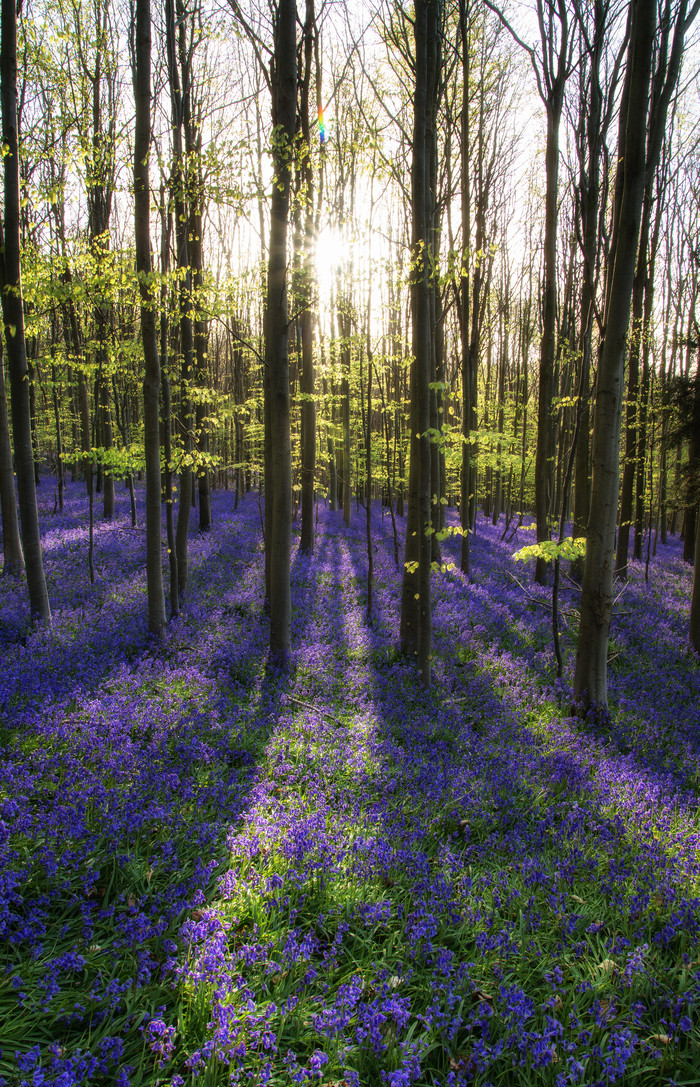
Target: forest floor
<point x="212" y="873"/>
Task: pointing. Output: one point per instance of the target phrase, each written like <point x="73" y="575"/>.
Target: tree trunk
<point x="13" y="313"/>
<point x="545" y="437"/>
<point x="695" y="601"/>
<point x="151" y="382"/>
<point x="60" y="468"/>
<point x="277" y="419"/>
<point x="13" y="559"/>
<point x="591" y="682"/>
<point x="416" y="609"/>
<point x="185" y="301"/>
<point x="590" y="155"/>
<point x="466" y="459"/>
<point x="194" y="200"/>
<point x="344" y="329"/>
<point x="307" y="382"/>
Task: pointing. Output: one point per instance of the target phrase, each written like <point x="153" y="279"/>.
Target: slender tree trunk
<point x="344" y="330"/>
<point x="13" y="313"/>
<point x="631" y="435"/>
<point x="13" y="559"/>
<point x="464" y="300"/>
<point x="500" y="414"/>
<point x="201" y="344"/>
<point x="60" y="468"/>
<point x="367" y="427"/>
<point x="545" y="437"/>
<point x="478" y="282"/>
<point x="590" y="682"/>
<point x="32" y="370"/>
<point x="389" y="482"/>
<point x="277" y="336"/>
<point x="194" y="200"/>
<point x="695" y="600"/>
<point x="416" y="609"/>
<point x="185" y="302"/>
<point x="330" y="447"/>
<point x="101" y="172"/>
<point x="167" y="477"/>
<point x="151" y="383"/>
<point x="307" y="380"/>
<point x="639" y="501"/>
<point x="591" y="108"/>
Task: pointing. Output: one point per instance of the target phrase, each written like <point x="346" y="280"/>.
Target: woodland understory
<point x="323" y="782"/>
<point x="216" y="872"/>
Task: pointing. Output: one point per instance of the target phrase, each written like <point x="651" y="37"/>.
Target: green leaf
<point x="570" y="548"/>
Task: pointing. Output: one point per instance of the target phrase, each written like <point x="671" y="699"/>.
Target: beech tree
<point x="13" y="559"/>
<point x="485" y="152"/>
<point x="278" y="473"/>
<point x="552" y="67"/>
<point x="591" y="675"/>
<point x="695" y="601"/>
<point x="668" y="59"/>
<point x="695" y="465"/>
<point x="151" y="383"/>
<point x="13" y="315"/>
<point x="180" y="108"/>
<point x="468" y="362"/>
<point x="594" y="116"/>
<point x="307" y="224"/>
<point x="416" y="608"/>
<point x="281" y="79"/>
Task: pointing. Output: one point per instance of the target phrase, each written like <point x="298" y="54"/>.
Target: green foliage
<point x="118" y="461"/>
<point x="571" y="548"/>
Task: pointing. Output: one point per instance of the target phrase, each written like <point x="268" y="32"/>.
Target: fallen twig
<point x="318" y="710"/>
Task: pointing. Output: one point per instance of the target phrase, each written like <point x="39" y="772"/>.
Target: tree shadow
<point x="288" y="822"/>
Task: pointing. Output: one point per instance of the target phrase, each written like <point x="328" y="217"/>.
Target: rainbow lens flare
<point x="322" y="134"/>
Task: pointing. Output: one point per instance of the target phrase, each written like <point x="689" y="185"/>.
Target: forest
<point x="349" y="493"/>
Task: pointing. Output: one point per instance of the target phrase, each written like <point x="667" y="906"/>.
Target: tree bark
<point x="553" y="100"/>
<point x="13" y="314"/>
<point x="167" y="477"/>
<point x="416" y="609"/>
<point x="277" y="417"/>
<point x="695" y="600"/>
<point x="185" y="301"/>
<point x="466" y="364"/>
<point x="307" y="377"/>
<point x="591" y="677"/>
<point x="13" y="559"/>
<point x="151" y="382"/>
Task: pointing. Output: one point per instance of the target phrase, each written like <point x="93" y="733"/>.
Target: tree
<point x="96" y="80"/>
<point x="595" y="111"/>
<point x="13" y="314"/>
<point x="13" y="559"/>
<point x="278" y="468"/>
<point x="664" y="83"/>
<point x="151" y="382"/>
<point x="590" y="680"/>
<point x="306" y="317"/>
<point x="180" y="108"/>
<point x="467" y="362"/>
<point x="485" y="158"/>
<point x="695" y="600"/>
<point x="189" y="33"/>
<point x="416" y="608"/>
<point x="552" y="68"/>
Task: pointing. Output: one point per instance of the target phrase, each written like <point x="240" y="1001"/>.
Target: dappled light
<point x="336" y="873"/>
<point x="350" y="522"/>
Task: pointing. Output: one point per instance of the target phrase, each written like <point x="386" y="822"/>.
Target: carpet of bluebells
<point x="213" y="873"/>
